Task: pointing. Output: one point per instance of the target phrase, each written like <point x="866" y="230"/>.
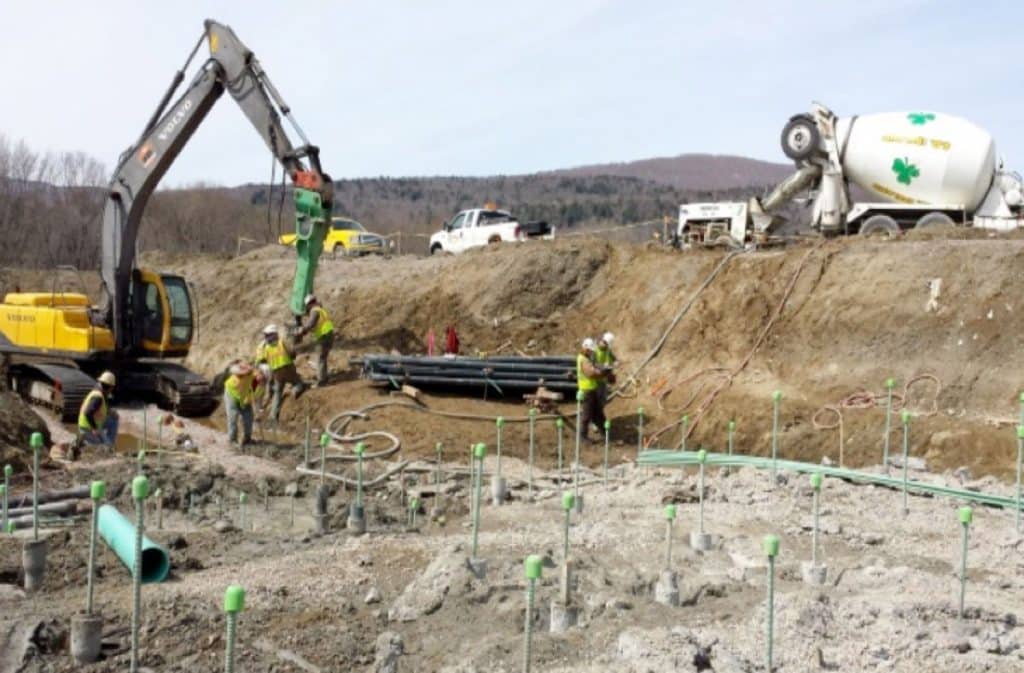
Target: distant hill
<point x="690" y="171"/>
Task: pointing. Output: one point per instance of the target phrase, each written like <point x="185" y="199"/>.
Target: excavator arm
<point x="231" y="67"/>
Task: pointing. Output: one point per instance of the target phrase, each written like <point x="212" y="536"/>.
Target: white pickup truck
<point x="482" y="226"/>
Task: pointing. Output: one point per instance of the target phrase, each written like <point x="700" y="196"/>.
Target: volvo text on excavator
<point x="53" y="344"/>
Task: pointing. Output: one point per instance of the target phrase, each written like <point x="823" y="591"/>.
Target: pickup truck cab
<point x="482" y="226"/>
<point x="347" y="237"/>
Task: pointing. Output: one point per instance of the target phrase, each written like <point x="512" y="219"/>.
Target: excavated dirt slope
<point x="857" y="313"/>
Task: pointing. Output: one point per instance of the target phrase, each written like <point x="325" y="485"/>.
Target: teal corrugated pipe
<point x="119" y="534"/>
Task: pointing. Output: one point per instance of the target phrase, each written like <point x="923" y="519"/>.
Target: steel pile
<point x="499" y="375"/>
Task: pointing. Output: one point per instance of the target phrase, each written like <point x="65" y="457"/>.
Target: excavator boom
<point x="231" y="67"/>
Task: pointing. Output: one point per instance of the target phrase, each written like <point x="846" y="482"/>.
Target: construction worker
<point x="319" y="324"/>
<point x="588" y="380"/>
<point x="97" y="423"/>
<point x="281" y="360"/>
<point x="605" y="360"/>
<point x="239" y="394"/>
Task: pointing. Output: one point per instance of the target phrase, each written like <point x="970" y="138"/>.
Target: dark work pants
<point x="591" y="411"/>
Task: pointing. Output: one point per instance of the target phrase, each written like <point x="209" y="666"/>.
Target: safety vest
<point x="324" y="326"/>
<point x="100" y="416"/>
<point x="239" y="388"/>
<point x="275" y="355"/>
<point x="604" y="356"/>
<point x="584" y="382"/>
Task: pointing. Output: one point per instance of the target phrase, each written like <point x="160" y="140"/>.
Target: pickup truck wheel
<point x="494" y="239"/>
<point x="880" y="225"/>
<point x="800" y="138"/>
<point x="436" y="249"/>
<point x="933" y="220"/>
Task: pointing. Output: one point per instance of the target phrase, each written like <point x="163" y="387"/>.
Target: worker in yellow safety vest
<point x="239" y="394"/>
<point x="589" y="378"/>
<point x="97" y="422"/>
<point x="319" y="324"/>
<point x="281" y="359"/>
<point x="605" y="359"/>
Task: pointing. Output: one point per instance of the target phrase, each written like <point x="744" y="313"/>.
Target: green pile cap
<point x="732" y="425"/>
<point x="499" y="421"/>
<point x="140" y="487"/>
<point x="8" y="471"/>
<point x="325" y="439"/>
<point x="777" y="395"/>
<point x="568" y="500"/>
<point x="532" y="565"/>
<point x="670" y="512"/>
<point x="234" y="599"/>
<point x="770" y="545"/>
<point x="965" y="514"/>
<point x="35" y="440"/>
<point x="480" y="450"/>
<point x="580" y="395"/>
<point x="702" y="456"/>
<point x="905" y="416"/>
<point x="816" y="481"/>
<point x="98" y="490"/>
<point x="890" y="383"/>
<point x="607" y="424"/>
<point x="359" y="449"/>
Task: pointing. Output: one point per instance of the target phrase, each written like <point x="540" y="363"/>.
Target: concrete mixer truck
<point x="926" y="168"/>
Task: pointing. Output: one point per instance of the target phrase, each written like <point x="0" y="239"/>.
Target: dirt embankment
<point x="856" y="313"/>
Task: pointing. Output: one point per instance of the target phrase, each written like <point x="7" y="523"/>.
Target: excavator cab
<point x="162" y="311"/>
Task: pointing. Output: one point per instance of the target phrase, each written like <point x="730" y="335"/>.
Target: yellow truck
<point x="347" y="237"/>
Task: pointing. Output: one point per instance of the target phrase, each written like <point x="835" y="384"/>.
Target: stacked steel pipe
<point x="500" y="375"/>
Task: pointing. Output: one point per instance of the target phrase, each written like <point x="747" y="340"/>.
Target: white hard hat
<point x="270" y="329"/>
<point x="608" y="337"/>
<point x="265" y="370"/>
<point x="310" y="298"/>
<point x="588" y="344"/>
<point x="107" y="378"/>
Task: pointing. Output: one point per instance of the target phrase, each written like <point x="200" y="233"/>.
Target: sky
<point x="478" y="87"/>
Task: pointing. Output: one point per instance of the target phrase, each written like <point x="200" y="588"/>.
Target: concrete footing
<point x="498" y="490"/>
<point x="700" y="541"/>
<point x="666" y="590"/>
<point x="33" y="560"/>
<point x="320" y="510"/>
<point x="356" y="522"/>
<point x="86" y="637"/>
<point x="563" y="616"/>
<point x="478" y="567"/>
<point x="814" y="574"/>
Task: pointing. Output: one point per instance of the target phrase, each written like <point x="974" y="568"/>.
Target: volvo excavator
<point x="53" y="344"/>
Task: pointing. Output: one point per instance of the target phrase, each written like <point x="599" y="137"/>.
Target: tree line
<point x="51" y="206"/>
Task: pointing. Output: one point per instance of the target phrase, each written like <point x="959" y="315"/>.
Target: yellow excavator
<point x="53" y="344"/>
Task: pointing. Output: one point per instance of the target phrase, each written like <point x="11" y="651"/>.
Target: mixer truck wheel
<point x="880" y="225"/>
<point x="933" y="220"/>
<point x="800" y="138"/>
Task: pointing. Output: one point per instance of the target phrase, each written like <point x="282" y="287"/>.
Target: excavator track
<point x="169" y="384"/>
<point x="59" y="388"/>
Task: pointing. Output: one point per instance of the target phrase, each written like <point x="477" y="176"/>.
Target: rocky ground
<point x="406" y="594"/>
